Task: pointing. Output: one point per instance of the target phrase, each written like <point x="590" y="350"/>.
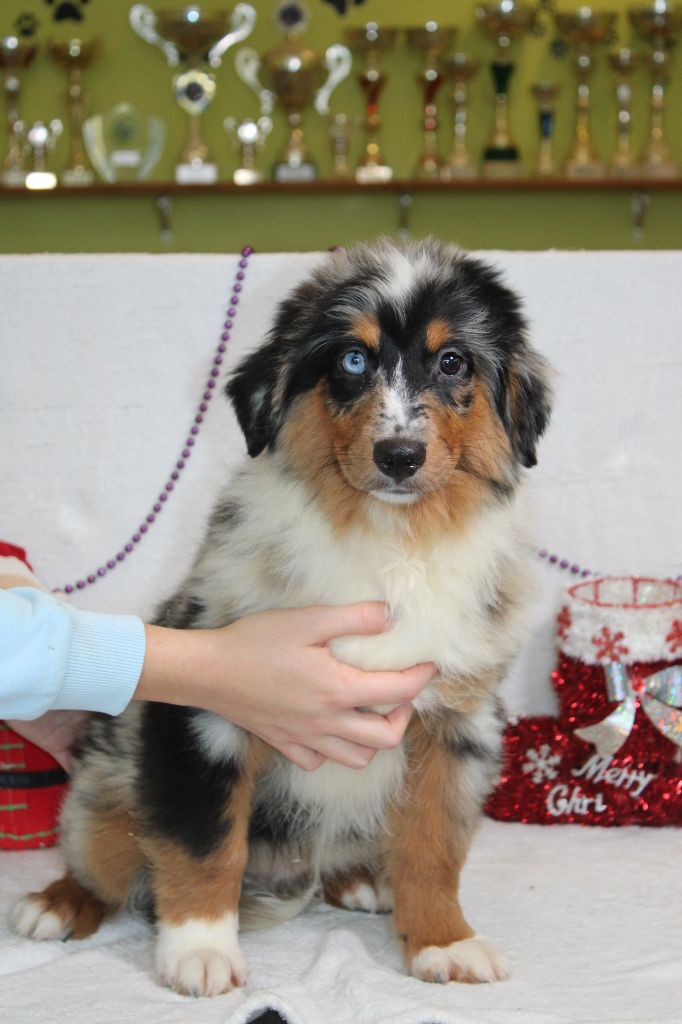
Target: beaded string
<point x="556" y="560"/>
<point x="188" y="445"/>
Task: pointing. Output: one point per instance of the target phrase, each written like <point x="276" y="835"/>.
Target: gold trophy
<point x="584" y="29"/>
<point x="431" y="40"/>
<point x="545" y="93"/>
<point x="658" y="24"/>
<point x="341" y="128"/>
<point x="14" y="57"/>
<point x="371" y="41"/>
<point x="75" y="55"/>
<point x="505" y="21"/>
<point x="624" y="62"/>
<point x="461" y="69"/>
<point x="294" y="73"/>
<point x="193" y="36"/>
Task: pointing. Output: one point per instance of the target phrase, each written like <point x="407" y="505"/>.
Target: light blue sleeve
<point x="55" y="656"/>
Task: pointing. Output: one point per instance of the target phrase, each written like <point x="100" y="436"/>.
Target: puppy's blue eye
<point x="354" y="362"/>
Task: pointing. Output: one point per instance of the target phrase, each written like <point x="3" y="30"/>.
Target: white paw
<point x="200" y="957"/>
<point x="467" y="960"/>
<point x="30" y="919"/>
<point x="363" y="896"/>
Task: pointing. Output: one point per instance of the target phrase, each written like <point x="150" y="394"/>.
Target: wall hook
<point x="164" y="209"/>
<point x="639" y="204"/>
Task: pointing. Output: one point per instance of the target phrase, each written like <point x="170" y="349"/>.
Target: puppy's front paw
<point x="34" y="920"/>
<point x="470" y="960"/>
<point x="200" y="957"/>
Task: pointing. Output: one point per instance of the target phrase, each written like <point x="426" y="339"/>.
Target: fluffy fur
<point x="388" y="417"/>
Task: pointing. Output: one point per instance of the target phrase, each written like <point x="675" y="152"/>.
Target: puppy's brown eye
<point x="452" y="364"/>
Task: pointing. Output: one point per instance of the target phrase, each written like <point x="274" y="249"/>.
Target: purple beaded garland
<point x="180" y="464"/>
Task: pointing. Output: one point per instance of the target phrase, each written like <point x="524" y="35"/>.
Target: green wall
<point x="129" y="69"/>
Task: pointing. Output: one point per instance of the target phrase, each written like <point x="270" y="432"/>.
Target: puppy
<point x="388" y="416"/>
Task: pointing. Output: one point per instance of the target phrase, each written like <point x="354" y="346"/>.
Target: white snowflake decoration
<point x="541" y="763"/>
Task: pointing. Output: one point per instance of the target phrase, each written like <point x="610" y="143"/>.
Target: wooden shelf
<point x="155" y="188"/>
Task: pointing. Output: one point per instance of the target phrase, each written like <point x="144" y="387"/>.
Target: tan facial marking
<point x="367" y="330"/>
<point x="438" y="333"/>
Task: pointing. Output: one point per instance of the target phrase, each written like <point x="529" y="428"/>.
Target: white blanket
<point x="102" y="362"/>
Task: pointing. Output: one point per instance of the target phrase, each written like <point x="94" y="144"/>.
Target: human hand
<point x="273" y="674"/>
<point x="55" y="732"/>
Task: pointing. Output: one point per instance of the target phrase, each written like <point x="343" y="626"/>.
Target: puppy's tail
<point x="259" y="909"/>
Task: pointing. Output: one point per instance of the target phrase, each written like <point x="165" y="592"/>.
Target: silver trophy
<point x="294" y="74"/>
<point x="15" y="57"/>
<point x="124" y="145"/>
<point x="194" y="37"/>
<point x="42" y="138"/>
<point x="249" y="135"/>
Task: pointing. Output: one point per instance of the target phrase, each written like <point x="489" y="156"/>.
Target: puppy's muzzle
<point x="399" y="459"/>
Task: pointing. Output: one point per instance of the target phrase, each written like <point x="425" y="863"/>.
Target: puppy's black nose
<point x="399" y="459"/>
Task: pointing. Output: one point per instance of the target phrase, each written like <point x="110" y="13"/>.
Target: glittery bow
<point x="659" y="696"/>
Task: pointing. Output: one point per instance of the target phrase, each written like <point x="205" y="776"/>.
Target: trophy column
<point x="14" y="57"/>
<point x="624" y="63"/>
<point x="585" y="29"/>
<point x="461" y="69"/>
<point x="432" y="40"/>
<point x="659" y="25"/>
<point x="74" y="56"/>
<point x="371" y="41"/>
<point x="545" y="93"/>
<point x="504" y="22"/>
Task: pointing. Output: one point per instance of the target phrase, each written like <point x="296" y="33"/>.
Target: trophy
<point x="74" y="56"/>
<point x="341" y="128"/>
<point x="249" y="135"/>
<point x="431" y="40"/>
<point x="505" y="22"/>
<point x="294" y="73"/>
<point x="124" y="145"/>
<point x="545" y="93"/>
<point x="41" y="138"/>
<point x="371" y="41"/>
<point x="658" y="24"/>
<point x="14" y="56"/>
<point x="624" y="63"/>
<point x="193" y="36"/>
<point x="461" y="69"/>
<point x="585" y="29"/>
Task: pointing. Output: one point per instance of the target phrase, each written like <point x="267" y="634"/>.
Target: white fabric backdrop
<point x="102" y="362"/>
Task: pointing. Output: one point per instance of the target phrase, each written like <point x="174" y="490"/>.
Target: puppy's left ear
<point x="528" y="403"/>
<point x="251" y="391"/>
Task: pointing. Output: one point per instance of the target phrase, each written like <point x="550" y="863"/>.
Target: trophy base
<point x="13" y="178"/>
<point x="577" y="171"/>
<point x="374" y="174"/>
<point x="196" y="174"/>
<point x="502" y="163"/>
<point x="669" y="169"/>
<point x="76" y="177"/>
<point x="288" y="174"/>
<point x="624" y="171"/>
<point x="247" y="176"/>
<point x="453" y="172"/>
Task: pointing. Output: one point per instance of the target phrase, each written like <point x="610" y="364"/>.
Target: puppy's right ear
<point x="251" y="391"/>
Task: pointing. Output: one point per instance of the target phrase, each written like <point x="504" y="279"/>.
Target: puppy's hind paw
<point x="469" y="960"/>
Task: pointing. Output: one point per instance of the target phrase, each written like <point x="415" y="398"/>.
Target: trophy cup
<point x="461" y="69"/>
<point x="341" y="128"/>
<point x="41" y="138"/>
<point x="658" y="24"/>
<point x="624" y="63"/>
<point x="545" y="93"/>
<point x="371" y="41"/>
<point x="294" y="73"/>
<point x="249" y="135"/>
<point x="124" y="145"/>
<point x="505" y="22"/>
<point x="193" y="36"/>
<point x="584" y="29"/>
<point x="74" y="56"/>
<point x="431" y="40"/>
<point x="14" y="56"/>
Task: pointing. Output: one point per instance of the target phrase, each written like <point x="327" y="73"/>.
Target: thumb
<point x="327" y="622"/>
